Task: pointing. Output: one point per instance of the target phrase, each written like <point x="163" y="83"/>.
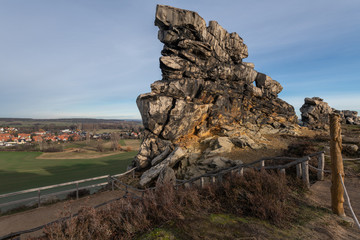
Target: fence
<point x="52" y="192"/>
<point x="302" y="169"/>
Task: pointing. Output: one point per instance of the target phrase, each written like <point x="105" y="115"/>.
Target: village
<point x="11" y="136"/>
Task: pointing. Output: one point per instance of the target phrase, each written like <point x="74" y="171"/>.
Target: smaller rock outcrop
<point x="315" y="113"/>
<point x="349" y="117"/>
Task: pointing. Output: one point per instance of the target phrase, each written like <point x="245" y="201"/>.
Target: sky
<point x="92" y="58"/>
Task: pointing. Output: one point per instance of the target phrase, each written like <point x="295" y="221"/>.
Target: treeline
<point x="28" y="125"/>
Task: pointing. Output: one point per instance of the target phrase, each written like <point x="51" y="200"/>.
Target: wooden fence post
<point x="220" y="178"/>
<point x="202" y="182"/>
<point x="305" y="172"/>
<point x="321" y="165"/>
<point x="213" y="179"/>
<point x="262" y="164"/>
<point x="39" y="198"/>
<point x="241" y="171"/>
<point x="337" y="168"/>
<point x="77" y="190"/>
<point x="298" y="170"/>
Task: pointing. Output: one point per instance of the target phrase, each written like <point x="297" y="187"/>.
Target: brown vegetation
<point x="262" y="195"/>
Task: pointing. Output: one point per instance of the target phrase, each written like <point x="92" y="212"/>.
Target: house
<point x="24" y="136"/>
<point x="6" y="137"/>
<point x="40" y="133"/>
<point x="63" y="137"/>
<point x="37" y="138"/>
<point x="10" y="130"/>
<point x="51" y="138"/>
<point x="66" y="131"/>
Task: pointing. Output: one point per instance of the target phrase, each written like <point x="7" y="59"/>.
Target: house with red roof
<point x="37" y="138"/>
<point x="63" y="137"/>
<point x="6" y="137"/>
<point x="24" y="136"/>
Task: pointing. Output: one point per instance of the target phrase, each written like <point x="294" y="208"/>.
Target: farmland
<point x="23" y="170"/>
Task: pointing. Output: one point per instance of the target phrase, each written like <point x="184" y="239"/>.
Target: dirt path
<point x="40" y="216"/>
<point x="320" y="193"/>
<point x="73" y="154"/>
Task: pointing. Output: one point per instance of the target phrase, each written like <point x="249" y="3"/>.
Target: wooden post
<point x="213" y="179"/>
<point x="241" y="171"/>
<point x="305" y="172"/>
<point x="77" y="190"/>
<point x="283" y="171"/>
<point x="39" y="198"/>
<point x="298" y="170"/>
<point x="202" y="182"/>
<point x="337" y="168"/>
<point x="220" y="178"/>
<point x="262" y="164"/>
<point x="321" y="165"/>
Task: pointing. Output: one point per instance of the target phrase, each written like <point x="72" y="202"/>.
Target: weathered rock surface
<point x="315" y="113"/>
<point x="350" y="149"/>
<point x="349" y="117"/>
<point x="207" y="90"/>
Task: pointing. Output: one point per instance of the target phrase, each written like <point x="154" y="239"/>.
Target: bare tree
<point x="115" y="141"/>
<point x="99" y="145"/>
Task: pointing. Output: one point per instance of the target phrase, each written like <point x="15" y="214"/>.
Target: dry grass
<point x="258" y="194"/>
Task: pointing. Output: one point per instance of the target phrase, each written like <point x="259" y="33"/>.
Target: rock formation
<point x="349" y="117"/>
<point x="315" y="114"/>
<point x="208" y="102"/>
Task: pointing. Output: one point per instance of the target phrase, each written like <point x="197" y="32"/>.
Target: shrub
<point x="264" y="195"/>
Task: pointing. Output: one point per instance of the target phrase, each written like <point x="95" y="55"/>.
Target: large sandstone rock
<point x="315" y="113"/>
<point x="207" y="90"/>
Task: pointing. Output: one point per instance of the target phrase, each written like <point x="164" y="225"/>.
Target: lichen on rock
<point x="206" y="91"/>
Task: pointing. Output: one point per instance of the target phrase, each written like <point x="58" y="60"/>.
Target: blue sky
<point x="92" y="58"/>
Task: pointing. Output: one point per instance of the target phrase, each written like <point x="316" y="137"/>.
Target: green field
<point x="21" y="170"/>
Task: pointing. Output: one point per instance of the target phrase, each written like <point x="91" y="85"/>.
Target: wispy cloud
<point x="92" y="58"/>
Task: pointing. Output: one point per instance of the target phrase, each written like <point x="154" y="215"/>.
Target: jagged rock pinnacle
<point x="206" y="91"/>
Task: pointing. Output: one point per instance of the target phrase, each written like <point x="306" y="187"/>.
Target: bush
<point x="264" y="195"/>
